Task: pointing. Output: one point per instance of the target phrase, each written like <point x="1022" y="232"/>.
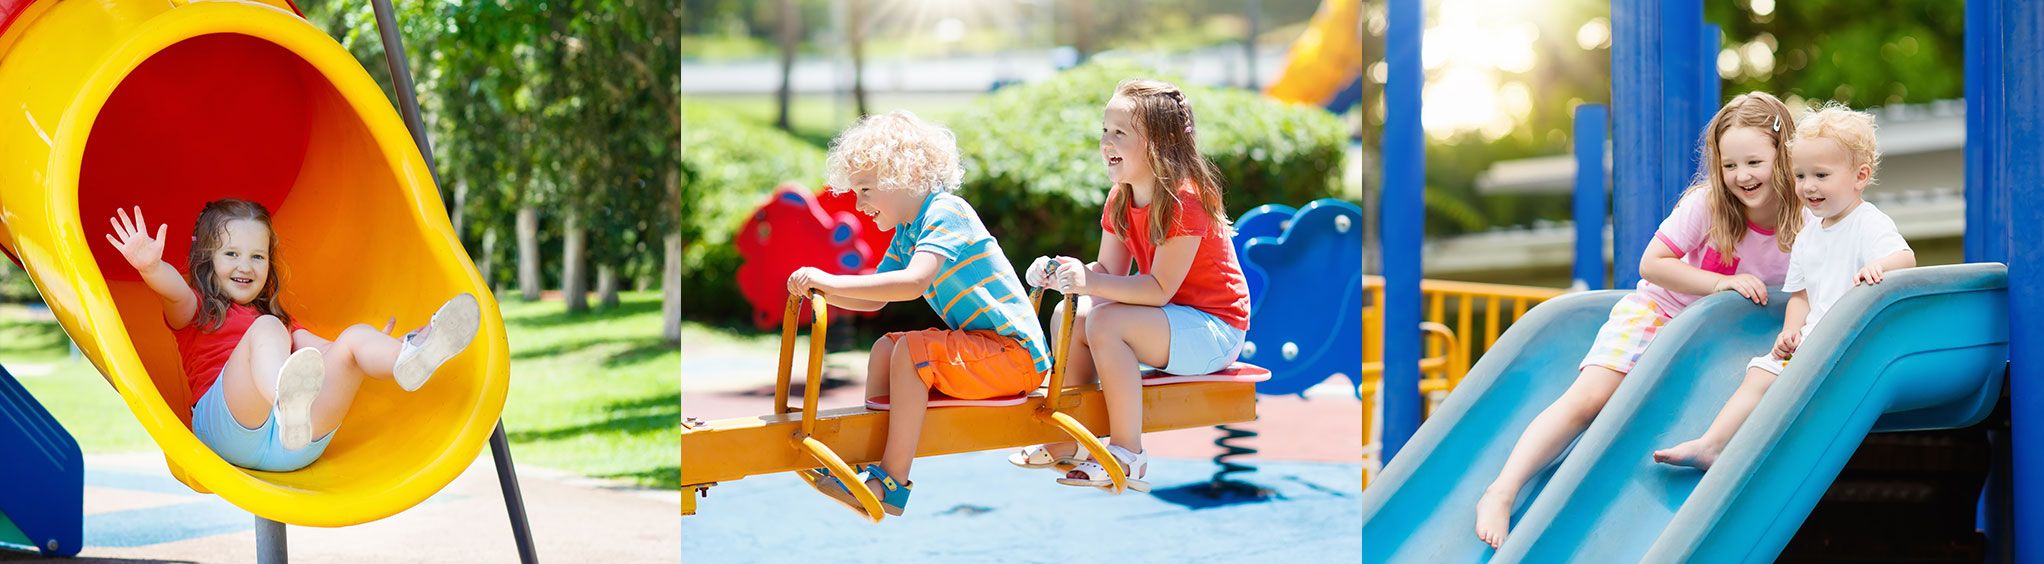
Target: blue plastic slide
<point x="1422" y="507"/>
<point x="1926" y="349"/>
<point x="42" y="477"/>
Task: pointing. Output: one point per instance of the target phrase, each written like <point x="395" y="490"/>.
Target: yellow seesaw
<point x="840" y="439"/>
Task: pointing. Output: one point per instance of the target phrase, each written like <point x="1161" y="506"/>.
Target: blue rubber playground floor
<point x="977" y="508"/>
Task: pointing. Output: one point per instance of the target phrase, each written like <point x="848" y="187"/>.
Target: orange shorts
<point x="970" y="364"/>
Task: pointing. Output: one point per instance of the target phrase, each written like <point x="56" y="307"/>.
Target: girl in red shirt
<point x="270" y="394"/>
<point x="1184" y="310"/>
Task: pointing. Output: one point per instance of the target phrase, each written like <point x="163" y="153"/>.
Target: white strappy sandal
<point x="1038" y="457"/>
<point x="1094" y="475"/>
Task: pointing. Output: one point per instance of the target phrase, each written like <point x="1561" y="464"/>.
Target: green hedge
<point x="1033" y="168"/>
<point x="732" y="166"/>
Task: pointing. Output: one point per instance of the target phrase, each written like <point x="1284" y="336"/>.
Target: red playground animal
<point x="796" y="228"/>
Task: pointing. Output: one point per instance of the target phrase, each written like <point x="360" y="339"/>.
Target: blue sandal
<point x="896" y="499"/>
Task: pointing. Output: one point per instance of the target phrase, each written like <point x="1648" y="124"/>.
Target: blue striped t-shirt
<point x="976" y="288"/>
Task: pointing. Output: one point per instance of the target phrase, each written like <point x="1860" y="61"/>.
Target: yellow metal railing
<point x="1450" y="346"/>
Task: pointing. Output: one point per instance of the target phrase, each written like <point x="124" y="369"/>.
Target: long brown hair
<point x="1165" y="117"/>
<point x="1762" y="111"/>
<point x="207" y="233"/>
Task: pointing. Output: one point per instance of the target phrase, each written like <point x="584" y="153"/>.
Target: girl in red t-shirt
<point x="269" y="393"/>
<point x="1185" y="309"/>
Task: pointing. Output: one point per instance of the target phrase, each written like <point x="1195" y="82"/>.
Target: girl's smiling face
<point x="241" y="266"/>
<point x="1746" y="160"/>
<point x="1125" y="149"/>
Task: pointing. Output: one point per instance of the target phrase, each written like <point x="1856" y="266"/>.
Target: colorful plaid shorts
<point x="1634" y="322"/>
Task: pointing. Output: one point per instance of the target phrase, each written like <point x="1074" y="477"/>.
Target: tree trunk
<point x="670" y="312"/>
<point x="460" y="208"/>
<point x="1082" y="29"/>
<point x="528" y="253"/>
<point x="856" y="34"/>
<point x="489" y="262"/>
<point x="670" y="277"/>
<point x="791" y="36"/>
<point x="606" y="286"/>
<point x="573" y="286"/>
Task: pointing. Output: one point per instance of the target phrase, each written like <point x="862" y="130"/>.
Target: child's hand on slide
<point x="1746" y="285"/>
<point x="1870" y="275"/>
<point x="1785" y="345"/>
<point x="142" y="251"/>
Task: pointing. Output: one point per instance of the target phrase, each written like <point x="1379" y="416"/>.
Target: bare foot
<point x="1493" y="516"/>
<point x="1697" y="453"/>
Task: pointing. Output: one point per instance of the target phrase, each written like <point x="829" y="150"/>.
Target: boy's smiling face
<point x="889" y="207"/>
<point x="1826" y="179"/>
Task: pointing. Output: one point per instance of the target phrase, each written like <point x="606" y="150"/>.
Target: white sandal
<point x="421" y="352"/>
<point x="298" y="383"/>
<point x="1135" y="463"/>
<point x="1038" y="457"/>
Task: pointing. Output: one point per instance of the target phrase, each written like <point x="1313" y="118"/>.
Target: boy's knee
<point x="883" y="347"/>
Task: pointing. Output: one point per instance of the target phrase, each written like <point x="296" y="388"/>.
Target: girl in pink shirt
<point x="1731" y="231"/>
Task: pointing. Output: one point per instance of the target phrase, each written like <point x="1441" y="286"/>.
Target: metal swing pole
<point x="408" y="106"/>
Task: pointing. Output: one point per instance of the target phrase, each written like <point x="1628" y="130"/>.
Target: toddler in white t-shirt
<point x="1845" y="242"/>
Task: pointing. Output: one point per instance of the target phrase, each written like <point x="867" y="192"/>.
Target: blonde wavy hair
<point x="904" y="151"/>
<point x="1762" y="111"/>
<point x="1852" y="130"/>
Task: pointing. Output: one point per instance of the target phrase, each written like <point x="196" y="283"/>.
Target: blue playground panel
<point x="1305" y="320"/>
<point x="42" y="499"/>
<point x="1268" y="220"/>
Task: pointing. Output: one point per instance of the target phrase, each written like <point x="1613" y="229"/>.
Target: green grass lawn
<point x="594" y="394"/>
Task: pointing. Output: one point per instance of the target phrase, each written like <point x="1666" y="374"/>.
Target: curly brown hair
<point x="207" y="235"/>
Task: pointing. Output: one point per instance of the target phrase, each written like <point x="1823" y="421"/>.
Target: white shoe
<point x="298" y="384"/>
<point x="423" y="351"/>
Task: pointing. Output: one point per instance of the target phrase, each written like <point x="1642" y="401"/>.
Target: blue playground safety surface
<point x="977" y="508"/>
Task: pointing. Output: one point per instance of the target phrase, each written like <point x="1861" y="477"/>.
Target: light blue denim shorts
<point x="1200" y="342"/>
<point x="260" y="448"/>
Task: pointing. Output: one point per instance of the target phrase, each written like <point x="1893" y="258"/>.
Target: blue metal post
<point x="1986" y="238"/>
<point x="1403" y="222"/>
<point x="1589" y="196"/>
<point x="1985" y="204"/>
<point x="1635" y="134"/>
<point x="2018" y="105"/>
<point x="1710" y="88"/>
<point x="1681" y="26"/>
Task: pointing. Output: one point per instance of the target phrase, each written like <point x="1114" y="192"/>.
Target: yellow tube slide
<point x="167" y="105"/>
<point x="1326" y="58"/>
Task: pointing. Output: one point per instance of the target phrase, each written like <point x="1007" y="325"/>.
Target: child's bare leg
<point x="360" y="352"/>
<point x="250" y="375"/>
<point x="876" y="367"/>
<point x="1701" y="452"/>
<point x="909" y="398"/>
<point x="1544" y="438"/>
<point x="1119" y="336"/>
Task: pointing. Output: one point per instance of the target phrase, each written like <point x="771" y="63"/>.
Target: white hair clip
<point x="1777" y="124"/>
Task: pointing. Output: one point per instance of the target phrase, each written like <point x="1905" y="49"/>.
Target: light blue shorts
<point x="1200" y="342"/>
<point x="256" y="449"/>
